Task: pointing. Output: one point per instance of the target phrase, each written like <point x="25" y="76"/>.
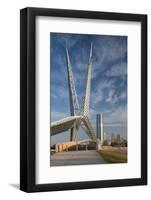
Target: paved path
<point x="76" y="158"/>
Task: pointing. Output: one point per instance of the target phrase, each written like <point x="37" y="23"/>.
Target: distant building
<point x="99" y="127"/>
<point x="105" y="137"/>
<point x="117" y="140"/>
<point x="123" y="142"/>
<point x="113" y="138"/>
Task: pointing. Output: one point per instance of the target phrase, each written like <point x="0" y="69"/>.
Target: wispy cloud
<point x="119" y="116"/>
<point x="60" y="92"/>
<point x="123" y="95"/>
<point x="118" y="69"/>
<point x="110" y="95"/>
<point x="53" y="96"/>
<point x="67" y="40"/>
<point x="111" y="48"/>
<point x="56" y="115"/>
<point x="114" y="125"/>
<point x="103" y="91"/>
<point x="108" y="50"/>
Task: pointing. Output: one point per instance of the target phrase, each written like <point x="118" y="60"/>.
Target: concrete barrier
<point x="65" y="146"/>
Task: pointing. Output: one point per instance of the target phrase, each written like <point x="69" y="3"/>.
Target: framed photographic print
<point x="83" y="99"/>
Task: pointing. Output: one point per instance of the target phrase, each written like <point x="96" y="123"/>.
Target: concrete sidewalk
<point x="76" y="158"/>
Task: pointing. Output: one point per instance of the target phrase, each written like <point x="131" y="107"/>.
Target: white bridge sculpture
<point x="78" y="118"/>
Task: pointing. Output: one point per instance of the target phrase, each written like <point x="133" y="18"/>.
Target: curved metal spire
<point x="74" y="105"/>
<point x="88" y="86"/>
<point x="76" y="119"/>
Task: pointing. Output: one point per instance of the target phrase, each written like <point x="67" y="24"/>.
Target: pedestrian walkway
<point x="76" y="158"/>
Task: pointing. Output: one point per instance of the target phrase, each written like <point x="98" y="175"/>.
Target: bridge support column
<point x="56" y="148"/>
<point x="98" y="145"/>
<point x="73" y="135"/>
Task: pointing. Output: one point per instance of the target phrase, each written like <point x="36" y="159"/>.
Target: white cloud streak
<point x="67" y="40"/>
<point x="118" y="69"/>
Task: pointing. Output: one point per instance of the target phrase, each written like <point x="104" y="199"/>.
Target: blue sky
<point x="108" y="83"/>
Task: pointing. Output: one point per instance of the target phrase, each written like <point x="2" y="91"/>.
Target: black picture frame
<point x="28" y="99"/>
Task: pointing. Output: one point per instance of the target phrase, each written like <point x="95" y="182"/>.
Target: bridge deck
<point x="76" y="158"/>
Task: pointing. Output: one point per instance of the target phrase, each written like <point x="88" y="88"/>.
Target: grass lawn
<point x="113" y="157"/>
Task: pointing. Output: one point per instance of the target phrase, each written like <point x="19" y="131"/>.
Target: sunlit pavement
<point x="76" y="158"/>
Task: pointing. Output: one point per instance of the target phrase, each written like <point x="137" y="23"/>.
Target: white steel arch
<point x="76" y="119"/>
